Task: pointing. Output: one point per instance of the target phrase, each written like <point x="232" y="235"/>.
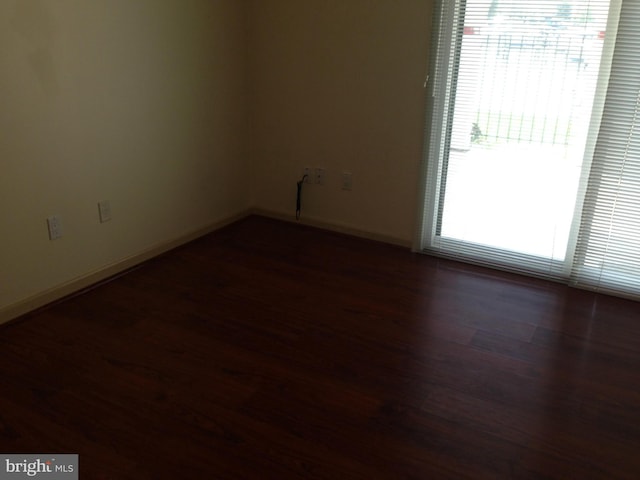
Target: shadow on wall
<point x="34" y="25"/>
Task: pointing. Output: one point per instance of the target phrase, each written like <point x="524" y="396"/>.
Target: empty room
<point x="320" y="239"/>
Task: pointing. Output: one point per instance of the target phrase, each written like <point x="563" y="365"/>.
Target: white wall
<point x="138" y="102"/>
<point x="339" y="84"/>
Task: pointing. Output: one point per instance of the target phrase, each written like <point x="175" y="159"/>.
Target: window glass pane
<point x="523" y="85"/>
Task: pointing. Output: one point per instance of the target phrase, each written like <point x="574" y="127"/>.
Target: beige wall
<point x="138" y="102"/>
<point x="186" y="113"/>
<point x="339" y="84"/>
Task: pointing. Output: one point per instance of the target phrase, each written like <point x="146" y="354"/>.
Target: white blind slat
<point x="608" y="250"/>
<point x="519" y="73"/>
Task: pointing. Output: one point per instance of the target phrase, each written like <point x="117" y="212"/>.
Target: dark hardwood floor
<point x="272" y="350"/>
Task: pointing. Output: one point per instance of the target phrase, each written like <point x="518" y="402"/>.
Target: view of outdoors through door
<point x="522" y="105"/>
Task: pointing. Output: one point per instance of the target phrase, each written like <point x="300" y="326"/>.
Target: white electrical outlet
<point x="307" y="174"/>
<point x="104" y="211"/>
<point x="54" y="226"/>
<point x="319" y="176"/>
<point x="347" y="180"/>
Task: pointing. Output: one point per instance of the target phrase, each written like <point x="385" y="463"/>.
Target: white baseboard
<point x="313" y="222"/>
<point x="58" y="292"/>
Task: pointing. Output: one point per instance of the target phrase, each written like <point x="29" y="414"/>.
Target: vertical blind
<point x="603" y="245"/>
<point x="607" y="254"/>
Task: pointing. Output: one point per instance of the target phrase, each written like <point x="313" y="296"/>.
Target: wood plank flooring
<point x="272" y="350"/>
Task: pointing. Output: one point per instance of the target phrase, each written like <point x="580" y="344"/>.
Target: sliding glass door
<point x="513" y="92"/>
